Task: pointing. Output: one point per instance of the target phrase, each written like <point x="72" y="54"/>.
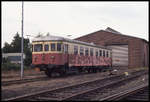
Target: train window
<point x="46" y="47"/>
<point x="96" y="53"/>
<point x="107" y="54"/>
<point x="75" y="50"/>
<point x="100" y="52"/>
<point x="91" y="51"/>
<point x="81" y="50"/>
<point x="38" y="47"/>
<point x="86" y="51"/>
<point x="104" y="53"/>
<point x="53" y="47"/>
<point x="66" y="48"/>
<point x="58" y="46"/>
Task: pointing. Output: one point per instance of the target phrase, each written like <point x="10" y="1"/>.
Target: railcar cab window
<point x="46" y="47"/>
<point x="75" y="50"/>
<point x="100" y="52"/>
<point x="58" y="46"/>
<point x="91" y="51"/>
<point x="53" y="47"/>
<point x="86" y="51"/>
<point x="81" y="50"/>
<point x="38" y="47"/>
<point x="104" y="53"/>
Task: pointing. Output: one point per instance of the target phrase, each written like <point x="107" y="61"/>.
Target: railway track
<point x="15" y="76"/>
<point x="12" y="82"/>
<point x="72" y="92"/>
<point x="19" y="81"/>
<point x="139" y="93"/>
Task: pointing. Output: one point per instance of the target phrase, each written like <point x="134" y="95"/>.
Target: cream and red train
<point x="62" y="55"/>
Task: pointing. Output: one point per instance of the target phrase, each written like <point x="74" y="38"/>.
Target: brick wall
<point x="135" y="45"/>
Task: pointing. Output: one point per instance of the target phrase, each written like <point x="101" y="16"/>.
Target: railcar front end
<point x="49" y="56"/>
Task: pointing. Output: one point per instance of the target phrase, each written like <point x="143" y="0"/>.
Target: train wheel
<point x="62" y="73"/>
<point x="100" y="70"/>
<point x="89" y="70"/>
<point x="48" y="73"/>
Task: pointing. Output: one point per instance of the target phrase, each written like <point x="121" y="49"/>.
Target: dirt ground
<point x="31" y="72"/>
<point x="21" y="89"/>
<point x="17" y="73"/>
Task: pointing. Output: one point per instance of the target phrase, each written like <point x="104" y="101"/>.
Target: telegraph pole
<point x="22" y="42"/>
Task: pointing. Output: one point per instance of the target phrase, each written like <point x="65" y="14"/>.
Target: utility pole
<point x="22" y="43"/>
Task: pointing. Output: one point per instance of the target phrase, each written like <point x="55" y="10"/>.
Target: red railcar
<point x="57" y="54"/>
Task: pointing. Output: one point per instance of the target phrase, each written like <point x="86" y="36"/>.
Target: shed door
<point x="119" y="55"/>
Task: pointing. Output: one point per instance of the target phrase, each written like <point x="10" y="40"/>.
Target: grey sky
<point x="74" y="18"/>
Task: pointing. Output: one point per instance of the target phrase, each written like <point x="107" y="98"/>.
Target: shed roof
<point x="110" y="30"/>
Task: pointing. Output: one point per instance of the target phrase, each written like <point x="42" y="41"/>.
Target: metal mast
<point x="22" y="42"/>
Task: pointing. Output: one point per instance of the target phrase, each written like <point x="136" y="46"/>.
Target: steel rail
<point x="98" y="88"/>
<point x="58" y="88"/>
<point x="11" y="82"/>
<point x="121" y="95"/>
<point x="47" y="91"/>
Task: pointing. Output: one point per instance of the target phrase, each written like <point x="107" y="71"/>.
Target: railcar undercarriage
<point x="63" y="70"/>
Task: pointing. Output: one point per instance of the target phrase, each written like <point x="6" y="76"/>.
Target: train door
<point x="66" y="55"/>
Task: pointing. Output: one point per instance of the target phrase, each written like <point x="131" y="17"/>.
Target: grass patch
<point x="12" y="66"/>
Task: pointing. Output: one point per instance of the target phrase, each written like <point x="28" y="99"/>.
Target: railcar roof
<point x="58" y="38"/>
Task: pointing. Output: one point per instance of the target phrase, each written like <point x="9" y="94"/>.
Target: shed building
<point x="128" y="51"/>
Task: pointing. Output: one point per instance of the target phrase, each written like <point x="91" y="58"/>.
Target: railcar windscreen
<point x="58" y="46"/>
<point x="46" y="47"/>
<point x="53" y="47"/>
<point x="38" y="47"/>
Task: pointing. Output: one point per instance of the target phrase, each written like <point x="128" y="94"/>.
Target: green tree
<point x="7" y="48"/>
<point x="15" y="47"/>
<point x="16" y="43"/>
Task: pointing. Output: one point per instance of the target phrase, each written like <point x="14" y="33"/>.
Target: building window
<point x="91" y="51"/>
<point x="53" y="48"/>
<point x="75" y="50"/>
<point x="86" y="51"/>
<point x="100" y="52"/>
<point x="104" y="53"/>
<point x="46" y="47"/>
<point x="38" y="47"/>
<point x="58" y="46"/>
<point x="96" y="53"/>
<point x="81" y="50"/>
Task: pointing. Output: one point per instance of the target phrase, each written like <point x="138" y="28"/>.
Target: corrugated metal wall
<point x="119" y="55"/>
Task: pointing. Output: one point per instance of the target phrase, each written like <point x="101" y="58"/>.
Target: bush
<point x="12" y="66"/>
<point x="7" y="65"/>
